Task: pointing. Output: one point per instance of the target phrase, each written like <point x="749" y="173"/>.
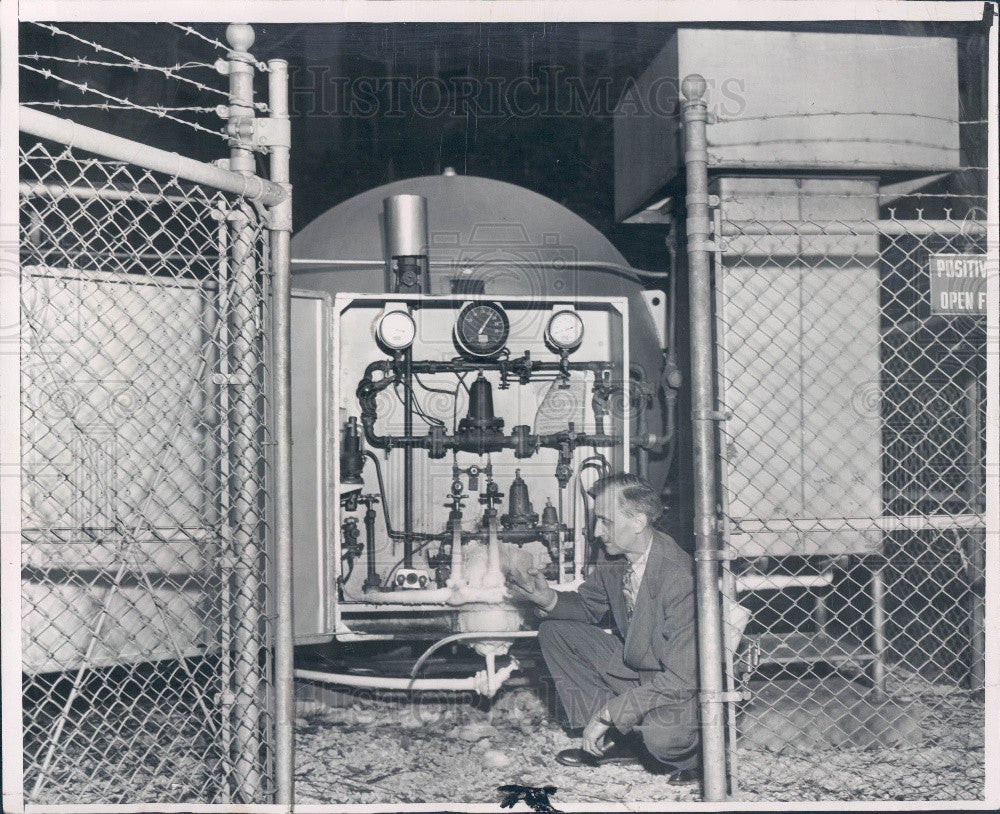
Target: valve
<point x="522" y="441"/>
<point x="436" y="447"/>
<point x="519" y="513"/>
<point x="352" y="461"/>
<point x="563" y="469"/>
<point x="491" y="495"/>
<point x="350" y="546"/>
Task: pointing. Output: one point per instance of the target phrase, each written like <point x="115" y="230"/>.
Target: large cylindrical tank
<point x="513" y="240"/>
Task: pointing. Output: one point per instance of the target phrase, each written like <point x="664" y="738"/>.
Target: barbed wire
<point x="195" y="33"/>
<point x="84" y="60"/>
<point x="857" y="162"/>
<point x="866" y="140"/>
<point x="261" y="66"/>
<point x="816" y="113"/>
<point x="156" y="110"/>
<point x="261" y="106"/>
<point x="130" y="62"/>
<point x="859" y="196"/>
<point x="109" y="106"/>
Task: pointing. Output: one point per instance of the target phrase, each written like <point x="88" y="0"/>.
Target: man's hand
<point x="592" y="740"/>
<point x="530" y="585"/>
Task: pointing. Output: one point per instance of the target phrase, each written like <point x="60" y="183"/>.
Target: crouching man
<point x="633" y="691"/>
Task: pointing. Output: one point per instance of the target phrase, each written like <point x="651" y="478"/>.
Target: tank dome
<point x="468" y="218"/>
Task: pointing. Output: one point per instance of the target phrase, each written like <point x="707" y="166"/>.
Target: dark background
<point x="343" y="145"/>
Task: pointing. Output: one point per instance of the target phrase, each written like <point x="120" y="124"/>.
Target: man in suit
<point x="640" y="681"/>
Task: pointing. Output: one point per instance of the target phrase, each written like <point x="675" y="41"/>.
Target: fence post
<point x="246" y="428"/>
<point x="703" y="423"/>
<point x="281" y="228"/>
<point x="11" y="642"/>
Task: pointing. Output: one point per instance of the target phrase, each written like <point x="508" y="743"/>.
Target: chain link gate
<point x="851" y="448"/>
<point x="145" y="519"/>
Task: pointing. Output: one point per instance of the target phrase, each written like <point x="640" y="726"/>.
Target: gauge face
<point x="397" y="330"/>
<point x="482" y="329"/>
<point x="565" y="329"/>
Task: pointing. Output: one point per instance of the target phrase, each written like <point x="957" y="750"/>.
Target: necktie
<point x="629" y="589"/>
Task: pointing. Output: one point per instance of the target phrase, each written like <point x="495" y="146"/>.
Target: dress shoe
<point x="616" y="754"/>
<point x="681" y="777"/>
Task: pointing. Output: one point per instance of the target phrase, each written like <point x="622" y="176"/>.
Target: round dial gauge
<point x="482" y="329"/>
<point x="396" y="330"/>
<point x="565" y="329"/>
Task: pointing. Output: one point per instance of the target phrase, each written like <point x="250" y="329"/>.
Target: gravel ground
<point x="385" y="751"/>
<point x="948" y="764"/>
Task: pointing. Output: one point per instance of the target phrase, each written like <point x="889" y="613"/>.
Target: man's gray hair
<point x="634" y="493"/>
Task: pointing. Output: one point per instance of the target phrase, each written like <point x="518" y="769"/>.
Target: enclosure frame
<point x="272" y="198"/>
<point x="706" y="243"/>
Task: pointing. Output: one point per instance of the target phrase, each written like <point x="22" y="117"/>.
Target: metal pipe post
<point x="713" y="740"/>
<point x="975" y="548"/>
<point x="226" y="538"/>
<point x="246" y="428"/>
<point x="408" y="460"/>
<point x="280" y="227"/>
<point x="878" y="628"/>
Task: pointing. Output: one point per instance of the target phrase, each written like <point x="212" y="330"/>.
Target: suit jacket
<point x="659" y="642"/>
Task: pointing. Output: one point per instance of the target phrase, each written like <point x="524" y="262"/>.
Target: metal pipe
<point x="372" y="580"/>
<point x="739" y="228"/>
<point x="975" y="548"/>
<point x="779" y="582"/>
<point x="280" y="226"/>
<point x="456" y="576"/>
<point x="387" y="683"/>
<point x="246" y="426"/>
<point x="713" y="741"/>
<point x="39" y="190"/>
<point x="878" y="628"/>
<point x="485" y="682"/>
<point x="472" y="634"/>
<point x="225" y="536"/>
<point x="407" y="458"/>
<point x="731" y="640"/>
<point x="560" y="265"/>
<point x="43" y="125"/>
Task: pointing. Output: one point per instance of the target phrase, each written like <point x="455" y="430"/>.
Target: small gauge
<point x="482" y="329"/>
<point x="396" y="330"/>
<point x="565" y="330"/>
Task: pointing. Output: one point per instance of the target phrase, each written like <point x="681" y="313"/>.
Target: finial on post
<point x="240" y="36"/>
<point x="693" y="87"/>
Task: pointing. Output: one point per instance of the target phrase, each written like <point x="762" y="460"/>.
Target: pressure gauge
<point x="396" y="330"/>
<point x="565" y="330"/>
<point x="482" y="329"/>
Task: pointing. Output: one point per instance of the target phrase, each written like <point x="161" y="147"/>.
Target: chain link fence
<point x="145" y="469"/>
<point x="851" y="452"/>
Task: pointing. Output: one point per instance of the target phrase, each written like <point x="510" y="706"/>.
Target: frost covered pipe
<point x="384" y="683"/>
<point x="472" y="634"/>
<point x="486" y="682"/>
<point x="456" y="554"/>
<point x="493" y="577"/>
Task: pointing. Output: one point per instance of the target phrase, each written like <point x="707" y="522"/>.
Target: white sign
<point x="958" y="284"/>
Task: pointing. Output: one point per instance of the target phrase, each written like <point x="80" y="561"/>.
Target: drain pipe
<point x="486" y="682"/>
